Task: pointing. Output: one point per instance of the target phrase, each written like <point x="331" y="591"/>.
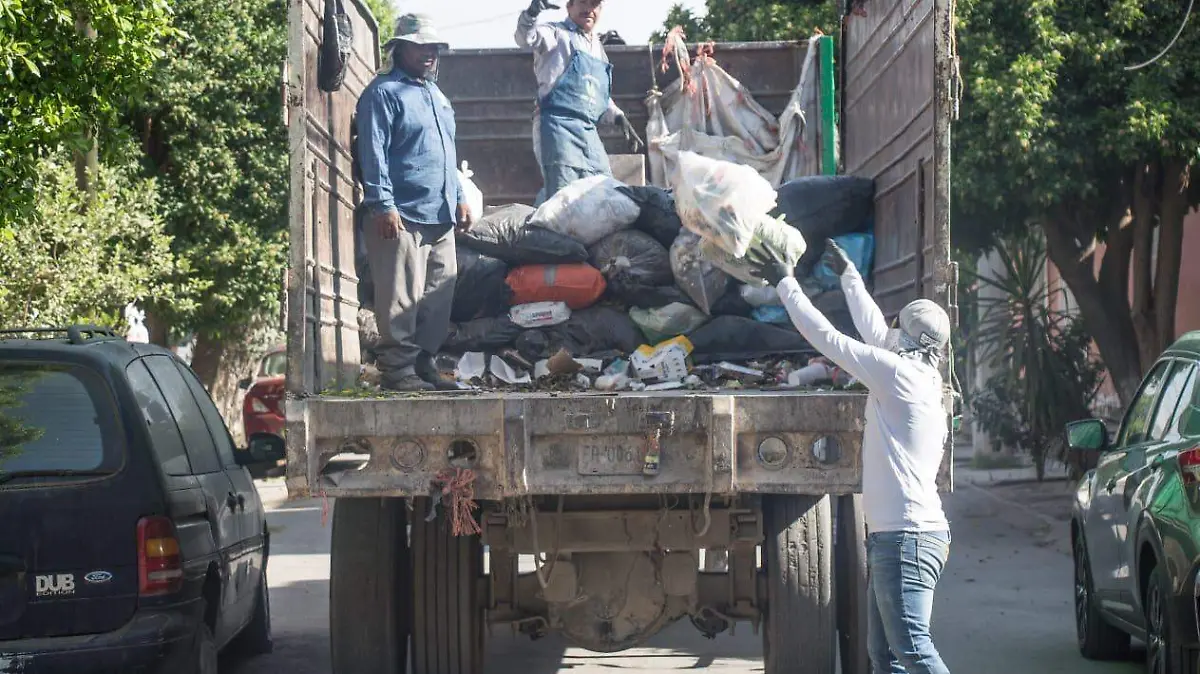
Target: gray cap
<point x="417" y="29"/>
<point x="926" y="324"/>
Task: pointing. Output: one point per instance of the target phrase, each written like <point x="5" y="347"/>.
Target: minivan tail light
<point x="1189" y="466"/>
<point x="160" y="567"/>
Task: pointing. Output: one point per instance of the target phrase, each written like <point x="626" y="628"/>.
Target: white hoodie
<point x="906" y="429"/>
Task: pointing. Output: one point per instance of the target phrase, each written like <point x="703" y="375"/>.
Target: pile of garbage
<point x="613" y="287"/>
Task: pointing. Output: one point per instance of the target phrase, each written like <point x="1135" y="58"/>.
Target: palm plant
<point x="1045" y="375"/>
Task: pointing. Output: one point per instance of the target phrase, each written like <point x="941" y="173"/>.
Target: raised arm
<point x="376" y="116"/>
<point x="530" y="34"/>
<point x="871" y="365"/>
<point x="866" y="314"/>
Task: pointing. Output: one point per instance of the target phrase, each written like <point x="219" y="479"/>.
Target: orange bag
<point x="579" y="285"/>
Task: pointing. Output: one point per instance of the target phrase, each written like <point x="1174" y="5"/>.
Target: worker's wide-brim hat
<point x="417" y="29"/>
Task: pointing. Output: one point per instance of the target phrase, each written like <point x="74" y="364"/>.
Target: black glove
<point x="537" y="6"/>
<point x="768" y="268"/>
<point x="631" y="136"/>
<point x="836" y="258"/>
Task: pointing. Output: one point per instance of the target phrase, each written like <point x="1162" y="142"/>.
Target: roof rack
<point x="76" y="334"/>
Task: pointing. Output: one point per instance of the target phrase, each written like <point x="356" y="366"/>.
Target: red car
<point x="262" y="409"/>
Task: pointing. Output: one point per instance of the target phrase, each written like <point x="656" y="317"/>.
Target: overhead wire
<point x="1187" y="15"/>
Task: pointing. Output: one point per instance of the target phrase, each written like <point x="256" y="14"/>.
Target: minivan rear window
<point x="57" y="421"/>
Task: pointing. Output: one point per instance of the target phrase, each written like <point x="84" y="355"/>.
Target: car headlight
<point x="259" y="406"/>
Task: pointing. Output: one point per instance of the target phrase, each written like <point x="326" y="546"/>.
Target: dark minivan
<point x="130" y="538"/>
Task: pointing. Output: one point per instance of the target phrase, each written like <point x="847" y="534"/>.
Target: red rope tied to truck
<point x="458" y="490"/>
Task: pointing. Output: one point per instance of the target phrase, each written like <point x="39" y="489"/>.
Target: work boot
<point x="427" y="370"/>
<point x="408" y="383"/>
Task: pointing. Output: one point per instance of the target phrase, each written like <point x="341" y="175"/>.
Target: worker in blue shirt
<point x="574" y="94"/>
<point x="413" y="201"/>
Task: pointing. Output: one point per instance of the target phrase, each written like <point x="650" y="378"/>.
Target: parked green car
<point x="1135" y="527"/>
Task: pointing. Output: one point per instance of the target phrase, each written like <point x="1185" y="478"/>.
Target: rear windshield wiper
<point x="5" y="477"/>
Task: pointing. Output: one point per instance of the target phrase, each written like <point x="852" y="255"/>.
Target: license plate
<point x="610" y="460"/>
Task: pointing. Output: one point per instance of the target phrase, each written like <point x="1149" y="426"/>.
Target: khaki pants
<point x="414" y="276"/>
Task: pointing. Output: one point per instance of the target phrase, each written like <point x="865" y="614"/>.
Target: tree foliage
<point x="754" y="20"/>
<point x="56" y="86"/>
<point x="1056" y="134"/>
<point x="78" y="265"/>
<point x="385" y="15"/>
<point x="213" y="136"/>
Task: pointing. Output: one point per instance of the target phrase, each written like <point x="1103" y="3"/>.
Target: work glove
<point x="631" y="135"/>
<point x="768" y="268"/>
<point x="537" y="6"/>
<point x="836" y="259"/>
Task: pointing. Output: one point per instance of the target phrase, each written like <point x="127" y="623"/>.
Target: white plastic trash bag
<point x="540" y="314"/>
<point x="761" y="296"/>
<point x="774" y="238"/>
<point x="721" y="201"/>
<point x="471" y="191"/>
<point x="588" y="210"/>
<point x="136" y="320"/>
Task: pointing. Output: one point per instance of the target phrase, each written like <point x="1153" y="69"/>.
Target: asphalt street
<point x="1004" y="605"/>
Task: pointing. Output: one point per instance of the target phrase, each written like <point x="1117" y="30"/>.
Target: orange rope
<point x="458" y="488"/>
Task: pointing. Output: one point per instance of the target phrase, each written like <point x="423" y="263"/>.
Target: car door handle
<point x="232" y="500"/>
<point x="1112" y="484"/>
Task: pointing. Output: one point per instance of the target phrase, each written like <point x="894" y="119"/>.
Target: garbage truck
<point x="456" y="514"/>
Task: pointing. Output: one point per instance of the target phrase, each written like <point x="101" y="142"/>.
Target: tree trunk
<point x="221" y="364"/>
<point x="1171" y="214"/>
<point x="1146" y="199"/>
<point x="1102" y="301"/>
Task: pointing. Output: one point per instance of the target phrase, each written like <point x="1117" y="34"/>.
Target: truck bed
<point x="527" y="444"/>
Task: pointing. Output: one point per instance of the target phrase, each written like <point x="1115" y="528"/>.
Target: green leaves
<point x="219" y="151"/>
<point x="750" y="20"/>
<point x="56" y="84"/>
<point x="68" y="264"/>
<point x="1051" y="120"/>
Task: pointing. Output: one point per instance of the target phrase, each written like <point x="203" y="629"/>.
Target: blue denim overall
<point x="571" y="146"/>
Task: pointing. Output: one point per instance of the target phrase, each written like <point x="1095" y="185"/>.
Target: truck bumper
<point x="582" y="444"/>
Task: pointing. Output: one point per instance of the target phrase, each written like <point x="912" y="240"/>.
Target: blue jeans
<point x="903" y="571"/>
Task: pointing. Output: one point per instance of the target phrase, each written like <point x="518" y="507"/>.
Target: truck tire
<point x="850" y="575"/>
<point x="798" y="556"/>
<point x="448" y="612"/>
<point x="369" y="591"/>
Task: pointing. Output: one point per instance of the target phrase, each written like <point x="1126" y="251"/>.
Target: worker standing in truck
<point x="908" y="534"/>
<point x="413" y="199"/>
<point x="574" y="94"/>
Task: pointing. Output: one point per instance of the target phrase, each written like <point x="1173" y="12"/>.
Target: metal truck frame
<point x="751" y="477"/>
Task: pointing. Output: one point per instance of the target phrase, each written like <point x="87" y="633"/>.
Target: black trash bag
<point x="823" y="207"/>
<point x="480" y="291"/>
<point x="481" y="334"/>
<point x="502" y="233"/>
<point x="337" y="41"/>
<point x="737" y="339"/>
<point x="833" y="304"/>
<point x="633" y="264"/>
<point x="732" y="304"/>
<point x="588" y="332"/>
<point x="659" y="296"/>
<point x="658" y="216"/>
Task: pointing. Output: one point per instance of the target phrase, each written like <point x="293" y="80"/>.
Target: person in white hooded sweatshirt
<point x="908" y="539"/>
